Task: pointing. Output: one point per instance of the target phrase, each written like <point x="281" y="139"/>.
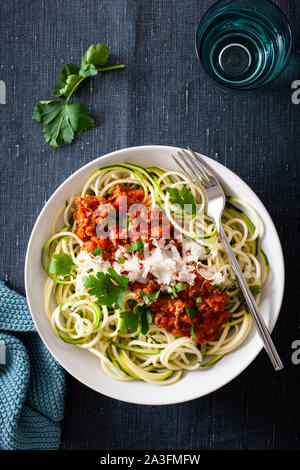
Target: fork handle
<point x="257" y="318"/>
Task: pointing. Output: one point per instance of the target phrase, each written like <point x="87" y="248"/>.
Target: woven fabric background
<point x="162" y="97"/>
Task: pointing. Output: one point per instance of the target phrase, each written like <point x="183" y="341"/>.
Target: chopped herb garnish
<point x="146" y="319"/>
<point x="121" y="260"/>
<point x="129" y="320"/>
<point x="191" y="312"/>
<point x="193" y="334"/>
<point x="97" y="251"/>
<point x="60" y="264"/>
<point x="198" y="301"/>
<point x="214" y="286"/>
<point x="181" y="286"/>
<point x="174" y="292"/>
<point x="149" y="298"/>
<point x="254" y="289"/>
<point x="139" y="245"/>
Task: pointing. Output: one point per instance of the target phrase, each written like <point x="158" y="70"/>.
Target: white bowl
<point x="83" y="365"/>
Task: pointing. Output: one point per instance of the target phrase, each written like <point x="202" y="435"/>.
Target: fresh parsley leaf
<point x="191" y="312"/>
<point x="60" y="264"/>
<point x="61" y="121"/>
<point x="254" y="289"/>
<point x="139" y="308"/>
<point x="128" y="322"/>
<point x="62" y="87"/>
<point x="145" y="316"/>
<point x="146" y="319"/>
<point x="184" y="198"/>
<point x="97" y="251"/>
<point x="106" y="291"/>
<point x="121" y="260"/>
<point x="198" y="301"/>
<point x="87" y="70"/>
<point x="121" y="280"/>
<point x="97" y="55"/>
<point x="149" y="298"/>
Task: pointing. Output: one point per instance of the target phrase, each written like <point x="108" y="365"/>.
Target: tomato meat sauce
<point x="97" y="219"/>
<point x="98" y="224"/>
<point x="201" y="306"/>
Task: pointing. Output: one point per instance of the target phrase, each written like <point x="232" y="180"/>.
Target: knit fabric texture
<point x="32" y="383"/>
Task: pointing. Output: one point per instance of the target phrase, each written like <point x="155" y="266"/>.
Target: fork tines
<point x="192" y="164"/>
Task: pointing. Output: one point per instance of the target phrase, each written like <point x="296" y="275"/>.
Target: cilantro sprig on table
<point x="60" y="119"/>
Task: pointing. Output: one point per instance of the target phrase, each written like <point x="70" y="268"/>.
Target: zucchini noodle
<point x="155" y="356"/>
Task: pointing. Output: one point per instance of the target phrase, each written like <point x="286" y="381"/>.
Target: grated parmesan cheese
<point x="164" y="262"/>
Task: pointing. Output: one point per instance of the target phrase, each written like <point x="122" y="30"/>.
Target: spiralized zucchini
<point x="156" y="357"/>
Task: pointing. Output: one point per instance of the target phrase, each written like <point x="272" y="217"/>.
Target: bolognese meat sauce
<point x="200" y="306"/>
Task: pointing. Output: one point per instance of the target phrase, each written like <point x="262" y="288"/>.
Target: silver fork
<point x="191" y="163"/>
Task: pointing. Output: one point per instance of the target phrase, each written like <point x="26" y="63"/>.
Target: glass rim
<point x="228" y="87"/>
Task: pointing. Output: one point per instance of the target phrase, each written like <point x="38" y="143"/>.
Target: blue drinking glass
<point x="244" y="44"/>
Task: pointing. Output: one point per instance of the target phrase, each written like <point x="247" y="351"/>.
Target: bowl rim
<point x="102" y="162"/>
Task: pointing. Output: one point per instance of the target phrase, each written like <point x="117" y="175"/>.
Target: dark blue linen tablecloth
<point x="162" y="97"/>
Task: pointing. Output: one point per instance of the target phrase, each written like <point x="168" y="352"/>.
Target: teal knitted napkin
<point x="32" y="384"/>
